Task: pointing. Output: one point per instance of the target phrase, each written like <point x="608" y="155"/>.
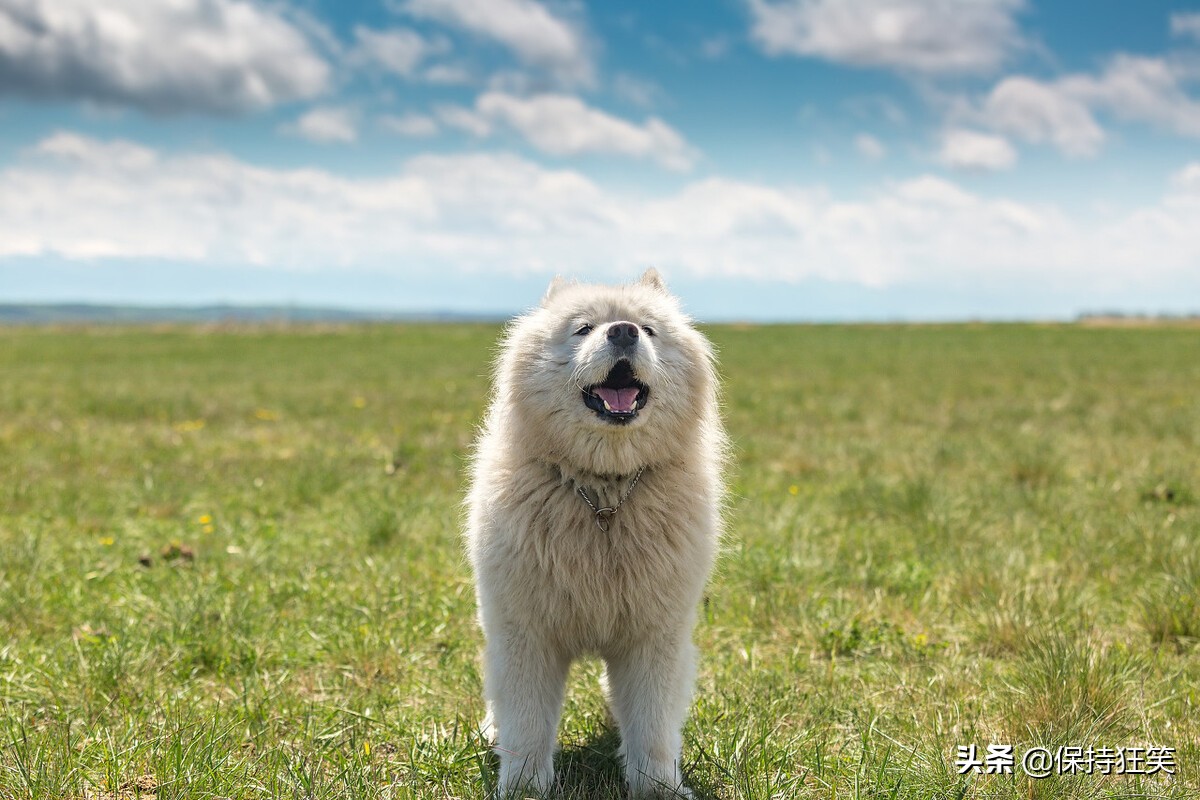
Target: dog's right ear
<point x="652" y="279"/>
<point x="557" y="283"/>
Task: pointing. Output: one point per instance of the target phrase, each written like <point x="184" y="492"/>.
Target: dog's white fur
<point x="551" y="585"/>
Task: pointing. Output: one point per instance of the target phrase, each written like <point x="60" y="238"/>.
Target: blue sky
<point x="775" y="159"/>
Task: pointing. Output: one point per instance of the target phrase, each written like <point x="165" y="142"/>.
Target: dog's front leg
<point x="523" y="681"/>
<point x="651" y="688"/>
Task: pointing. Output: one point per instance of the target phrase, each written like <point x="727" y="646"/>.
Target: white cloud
<point x="212" y="56"/>
<point x="967" y="149"/>
<point x="918" y="36"/>
<point x="414" y="125"/>
<point x="1140" y="89"/>
<point x="1063" y="112"/>
<point x="78" y="198"/>
<point x="1039" y="112"/>
<point x="563" y="125"/>
<point x="637" y="91"/>
<point x="1188" y="179"/>
<point x="869" y="147"/>
<point x="325" y="125"/>
<point x="448" y="75"/>
<point x="515" y="81"/>
<point x="536" y="36"/>
<point x="464" y="119"/>
<point x="398" y="50"/>
<point x="1186" y="24"/>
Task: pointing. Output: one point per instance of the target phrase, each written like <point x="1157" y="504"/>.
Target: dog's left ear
<point x="556" y="285"/>
<point x="652" y="279"/>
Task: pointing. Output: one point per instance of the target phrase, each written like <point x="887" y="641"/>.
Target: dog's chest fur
<point x="590" y="589"/>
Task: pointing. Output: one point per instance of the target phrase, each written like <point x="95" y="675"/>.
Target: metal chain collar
<point x="603" y="515"/>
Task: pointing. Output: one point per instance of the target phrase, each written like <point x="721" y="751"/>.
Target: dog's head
<point x="607" y="378"/>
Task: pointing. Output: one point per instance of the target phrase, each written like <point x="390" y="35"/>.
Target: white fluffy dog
<point x="594" y="515"/>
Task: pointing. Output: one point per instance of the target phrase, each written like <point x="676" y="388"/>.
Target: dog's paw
<point x="660" y="792"/>
<point x="656" y="790"/>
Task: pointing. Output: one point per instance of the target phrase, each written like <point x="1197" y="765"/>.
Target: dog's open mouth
<point x="620" y="397"/>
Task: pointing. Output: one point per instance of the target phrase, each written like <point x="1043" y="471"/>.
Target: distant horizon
<point x="713" y="298"/>
<point x="87" y="312"/>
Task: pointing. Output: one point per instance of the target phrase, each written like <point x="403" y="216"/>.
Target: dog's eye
<point x="649" y="331"/>
<point x="584" y="329"/>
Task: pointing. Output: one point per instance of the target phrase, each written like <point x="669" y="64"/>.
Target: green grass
<point x="230" y="564"/>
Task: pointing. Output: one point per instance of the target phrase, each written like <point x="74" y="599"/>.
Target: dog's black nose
<point x="623" y="334"/>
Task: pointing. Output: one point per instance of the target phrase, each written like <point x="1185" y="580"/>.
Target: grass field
<point x="230" y="565"/>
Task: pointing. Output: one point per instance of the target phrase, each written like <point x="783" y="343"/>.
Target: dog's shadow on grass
<point x="591" y="769"/>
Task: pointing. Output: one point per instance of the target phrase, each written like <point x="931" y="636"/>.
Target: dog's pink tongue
<point x="620" y="400"/>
